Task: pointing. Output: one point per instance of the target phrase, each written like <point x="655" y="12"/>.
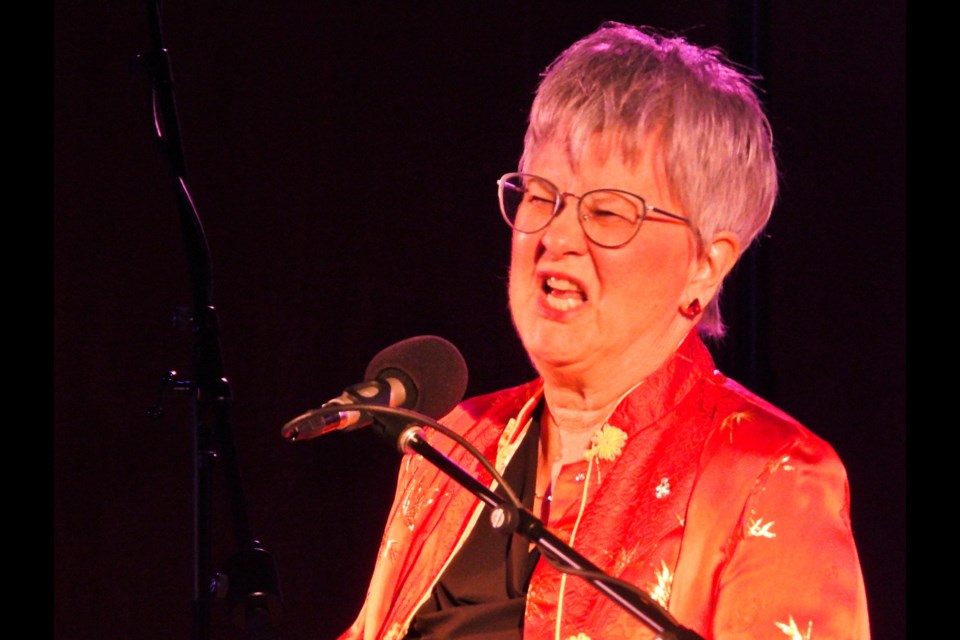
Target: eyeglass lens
<point x="608" y="217"/>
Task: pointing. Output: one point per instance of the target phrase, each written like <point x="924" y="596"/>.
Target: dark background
<point x="342" y="158"/>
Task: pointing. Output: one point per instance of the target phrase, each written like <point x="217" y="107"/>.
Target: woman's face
<point x="585" y="309"/>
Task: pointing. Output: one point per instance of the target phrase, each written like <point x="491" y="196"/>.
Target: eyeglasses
<point x="609" y="217"/>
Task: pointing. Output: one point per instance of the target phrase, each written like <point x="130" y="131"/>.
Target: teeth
<point x="563" y="304"/>
<point x="559" y="284"/>
<point x="562" y="294"/>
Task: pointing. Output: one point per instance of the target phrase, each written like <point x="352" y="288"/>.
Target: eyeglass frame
<point x="581" y="217"/>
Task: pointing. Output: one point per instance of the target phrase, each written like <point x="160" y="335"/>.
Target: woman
<point x="648" y="168"/>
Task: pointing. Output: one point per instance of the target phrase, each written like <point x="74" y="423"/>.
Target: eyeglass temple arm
<point x="668" y="214"/>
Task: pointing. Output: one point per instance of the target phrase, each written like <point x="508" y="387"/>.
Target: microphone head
<point x="432" y="369"/>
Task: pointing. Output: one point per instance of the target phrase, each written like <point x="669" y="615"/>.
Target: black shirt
<point x="482" y="593"/>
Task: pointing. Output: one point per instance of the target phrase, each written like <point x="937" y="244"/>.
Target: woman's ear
<point x="715" y="262"/>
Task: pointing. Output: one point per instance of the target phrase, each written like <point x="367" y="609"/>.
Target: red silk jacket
<point x="722" y="508"/>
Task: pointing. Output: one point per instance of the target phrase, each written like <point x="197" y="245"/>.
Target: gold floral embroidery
<point x="759" y="529"/>
<point x="413" y="501"/>
<point x="782" y="464"/>
<point x="663" y="489"/>
<point x="395" y="632"/>
<point x="793" y="632"/>
<point x="412" y="464"/>
<point x="661" y="591"/>
<point x="623" y="559"/>
<point x="733" y="420"/>
<point x="579" y="636"/>
<point x="504" y="447"/>
<point x="607" y="443"/>
<point x="389" y="550"/>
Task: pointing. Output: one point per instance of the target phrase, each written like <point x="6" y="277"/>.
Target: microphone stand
<point x="249" y="580"/>
<point x="393" y="425"/>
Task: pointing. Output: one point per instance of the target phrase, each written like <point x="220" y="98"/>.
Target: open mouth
<point x="562" y="294"/>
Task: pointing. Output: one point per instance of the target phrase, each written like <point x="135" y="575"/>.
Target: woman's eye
<point x="607" y="215"/>
<point x="600" y="213"/>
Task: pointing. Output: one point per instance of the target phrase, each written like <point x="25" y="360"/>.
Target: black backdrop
<point x="342" y="157"/>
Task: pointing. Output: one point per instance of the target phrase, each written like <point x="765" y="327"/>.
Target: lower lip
<point x="553" y="313"/>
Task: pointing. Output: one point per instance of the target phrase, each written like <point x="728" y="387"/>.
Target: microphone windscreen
<point x="433" y="365"/>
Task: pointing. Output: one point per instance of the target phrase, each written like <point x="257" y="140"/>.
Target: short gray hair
<point x="717" y="145"/>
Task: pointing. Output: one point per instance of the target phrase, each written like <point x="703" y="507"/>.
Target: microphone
<point x="425" y="374"/>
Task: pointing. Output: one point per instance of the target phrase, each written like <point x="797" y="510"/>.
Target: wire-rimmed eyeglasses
<point x="608" y="217"/>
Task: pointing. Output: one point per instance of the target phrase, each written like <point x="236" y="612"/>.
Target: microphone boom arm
<point x="400" y="428"/>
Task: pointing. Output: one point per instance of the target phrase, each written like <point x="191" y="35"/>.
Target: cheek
<point x="523" y="259"/>
<point x="517" y="287"/>
<point x="655" y="276"/>
<point x="524" y="247"/>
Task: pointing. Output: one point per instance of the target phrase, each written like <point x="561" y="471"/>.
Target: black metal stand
<point x="394" y="426"/>
<point x="249" y="579"/>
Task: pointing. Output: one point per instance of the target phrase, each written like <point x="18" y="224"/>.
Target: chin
<point x="548" y="342"/>
<point x="550" y="349"/>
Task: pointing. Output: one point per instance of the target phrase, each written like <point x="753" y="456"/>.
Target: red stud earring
<point x="692" y="310"/>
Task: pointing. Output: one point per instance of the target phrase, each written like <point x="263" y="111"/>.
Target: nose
<point x="564" y="234"/>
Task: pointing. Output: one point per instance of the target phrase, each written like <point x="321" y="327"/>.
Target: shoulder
<point x="750" y="424"/>
<point x="497" y="406"/>
<point x="481" y="419"/>
<point x="767" y="527"/>
<point x="731" y="415"/>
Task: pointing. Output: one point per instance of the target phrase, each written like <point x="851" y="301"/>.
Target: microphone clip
<point x="376" y="392"/>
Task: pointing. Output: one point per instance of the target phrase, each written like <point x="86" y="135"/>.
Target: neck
<point x="576" y="406"/>
<point x="592" y="384"/>
<point x="564" y="437"/>
<point x="565" y="431"/>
